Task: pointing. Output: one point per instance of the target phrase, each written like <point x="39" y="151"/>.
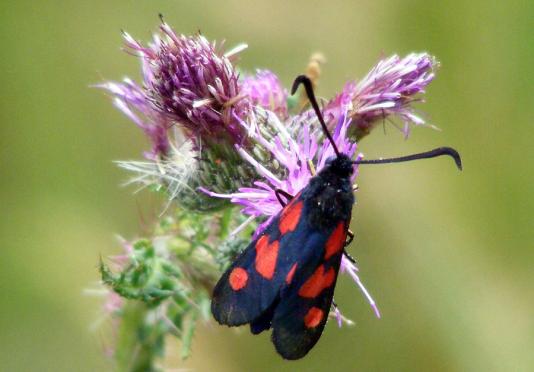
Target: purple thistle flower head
<point x="265" y="90"/>
<point x="193" y="83"/>
<point x="389" y="88"/>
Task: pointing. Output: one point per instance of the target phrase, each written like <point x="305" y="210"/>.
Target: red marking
<point x="290" y="274"/>
<point x="313" y="317"/>
<point x="335" y="241"/>
<point x="290" y="217"/>
<point x="266" y="255"/>
<point x="238" y="278"/>
<point x="318" y="281"/>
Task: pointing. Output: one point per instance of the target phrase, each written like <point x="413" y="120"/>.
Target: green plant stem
<point x="132" y="353"/>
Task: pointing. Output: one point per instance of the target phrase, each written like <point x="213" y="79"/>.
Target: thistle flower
<point x="265" y="90"/>
<point x="192" y="82"/>
<point x="300" y="157"/>
<point x="389" y="89"/>
<point x="189" y="106"/>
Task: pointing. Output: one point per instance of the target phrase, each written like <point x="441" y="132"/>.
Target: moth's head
<point x="340" y="165"/>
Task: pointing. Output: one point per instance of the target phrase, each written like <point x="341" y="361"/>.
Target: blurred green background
<point x="448" y="256"/>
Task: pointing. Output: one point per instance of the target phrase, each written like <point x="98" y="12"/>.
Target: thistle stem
<point x="135" y="350"/>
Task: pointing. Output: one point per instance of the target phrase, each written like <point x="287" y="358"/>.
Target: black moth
<point x="285" y="278"/>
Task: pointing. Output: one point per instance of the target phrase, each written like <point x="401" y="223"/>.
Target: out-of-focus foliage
<point x="164" y="283"/>
<point x="447" y="256"/>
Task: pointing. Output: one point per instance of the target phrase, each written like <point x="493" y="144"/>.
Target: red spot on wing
<point x="318" y="281"/>
<point x="291" y="273"/>
<point x="290" y="217"/>
<point x="313" y="317"/>
<point x="266" y="255"/>
<point x="335" y="242"/>
<point x="238" y="278"/>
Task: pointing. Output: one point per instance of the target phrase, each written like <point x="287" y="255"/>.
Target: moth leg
<point x="349" y="257"/>
<point x="279" y="193"/>
<point x="350" y="235"/>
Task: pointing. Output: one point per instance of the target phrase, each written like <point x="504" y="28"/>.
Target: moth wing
<point x="300" y="317"/>
<point x="250" y="287"/>
<point x="242" y="294"/>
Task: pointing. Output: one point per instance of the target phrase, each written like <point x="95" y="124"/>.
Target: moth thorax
<point x="340" y="165"/>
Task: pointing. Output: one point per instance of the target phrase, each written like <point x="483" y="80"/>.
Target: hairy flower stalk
<point x="221" y="144"/>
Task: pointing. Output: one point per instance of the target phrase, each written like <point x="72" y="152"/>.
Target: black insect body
<point x="285" y="278"/>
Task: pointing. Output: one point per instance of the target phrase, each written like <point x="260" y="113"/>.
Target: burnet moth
<point x="285" y="278"/>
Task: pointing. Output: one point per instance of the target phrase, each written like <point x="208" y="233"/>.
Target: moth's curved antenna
<point x="449" y="151"/>
<point x="304" y="80"/>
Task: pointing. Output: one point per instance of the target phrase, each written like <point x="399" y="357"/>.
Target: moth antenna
<point x="304" y="80"/>
<point x="440" y="151"/>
